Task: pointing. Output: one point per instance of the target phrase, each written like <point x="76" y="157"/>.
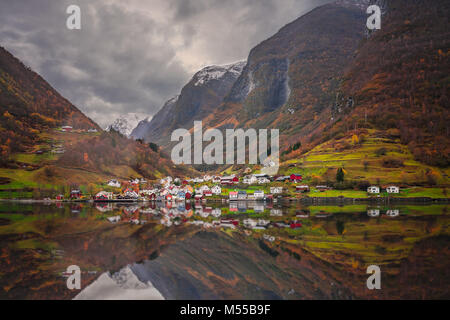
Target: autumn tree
<point x="340" y="175"/>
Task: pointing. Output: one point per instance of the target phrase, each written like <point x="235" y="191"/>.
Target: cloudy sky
<point x="132" y="56"/>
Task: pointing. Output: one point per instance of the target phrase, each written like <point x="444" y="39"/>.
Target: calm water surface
<point x="241" y="250"/>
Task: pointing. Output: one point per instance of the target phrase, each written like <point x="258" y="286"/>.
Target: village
<point x="253" y="187"/>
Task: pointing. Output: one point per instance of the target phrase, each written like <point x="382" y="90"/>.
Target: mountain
<point x="127" y="122"/>
<point x="201" y="96"/>
<point x="37" y="157"/>
<point x="326" y="77"/>
<point x="28" y="104"/>
<point x="399" y="81"/>
<point x="291" y="78"/>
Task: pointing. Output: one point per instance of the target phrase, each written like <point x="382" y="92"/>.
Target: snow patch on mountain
<point x="217" y="72"/>
<point x="127" y="122"/>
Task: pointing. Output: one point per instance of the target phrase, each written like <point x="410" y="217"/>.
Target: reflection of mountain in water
<point x="121" y="285"/>
<point x="215" y="266"/>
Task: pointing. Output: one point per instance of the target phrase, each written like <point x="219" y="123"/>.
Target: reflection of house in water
<point x="75" y="208"/>
<point x="322" y="215"/>
<point x="249" y="223"/>
<point x="165" y="221"/>
<point x="229" y="223"/>
<point x="147" y="210"/>
<point x="242" y="206"/>
<point x="114" y="219"/>
<point x="393" y="213"/>
<point x="269" y="237"/>
<point x="373" y="213"/>
<point x="276" y="212"/>
<point x="259" y="224"/>
<point x="302" y="214"/>
<point x="201" y="212"/>
<point x="188" y="213"/>
<point x="258" y="208"/>
<point x="233" y="207"/>
<point x="130" y="209"/>
<point x="217" y="212"/>
<point x="104" y="207"/>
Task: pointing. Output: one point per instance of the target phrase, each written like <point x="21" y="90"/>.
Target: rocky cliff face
<point x="290" y="79"/>
<point x="200" y="97"/>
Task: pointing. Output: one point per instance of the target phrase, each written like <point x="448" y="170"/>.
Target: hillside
<point x="399" y="81"/>
<point x="28" y="105"/>
<point x="36" y="154"/>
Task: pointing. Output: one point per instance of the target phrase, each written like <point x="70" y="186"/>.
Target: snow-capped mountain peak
<point x="127" y="122"/>
<point x="216" y="72"/>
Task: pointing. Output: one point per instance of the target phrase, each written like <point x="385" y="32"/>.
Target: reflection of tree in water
<point x="340" y="226"/>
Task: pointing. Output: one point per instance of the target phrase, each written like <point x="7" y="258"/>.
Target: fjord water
<point x="181" y="251"/>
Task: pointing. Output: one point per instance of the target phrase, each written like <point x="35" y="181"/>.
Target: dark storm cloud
<point x="132" y="56"/>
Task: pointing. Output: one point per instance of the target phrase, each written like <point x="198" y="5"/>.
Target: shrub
<point x="391" y="162"/>
<point x="380" y="152"/>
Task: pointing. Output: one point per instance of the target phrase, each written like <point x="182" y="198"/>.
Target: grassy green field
<point x="363" y="161"/>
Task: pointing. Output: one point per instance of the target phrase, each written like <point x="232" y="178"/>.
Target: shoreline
<point x="308" y="200"/>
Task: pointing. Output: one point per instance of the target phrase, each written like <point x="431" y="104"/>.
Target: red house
<point x="296" y="177"/>
<point x="235" y="180"/>
<point x="295" y="225"/>
<point x="188" y="195"/>
<point x="75" y="194"/>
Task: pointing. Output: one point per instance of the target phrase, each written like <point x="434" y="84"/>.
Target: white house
<point x="233" y="195"/>
<point x="393" y="213"/>
<point x="392" y="189"/>
<point x="276" y="190"/>
<point x="373" y="189"/>
<point x="263" y="180"/>
<point x="373" y="213"/>
<point x="249" y="179"/>
<point x="216" y="179"/>
<point x="242" y="195"/>
<point x="258" y="194"/>
<point x="131" y="194"/>
<point x="217" y="190"/>
<point x="114" y="183"/>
